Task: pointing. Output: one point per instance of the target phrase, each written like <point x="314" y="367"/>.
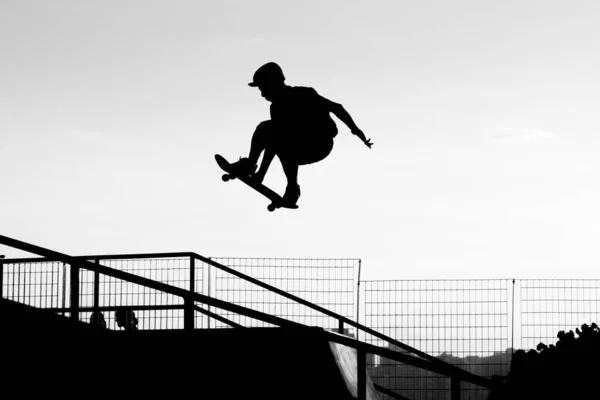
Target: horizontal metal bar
<point x="104" y="257"/>
<point x="116" y="308"/>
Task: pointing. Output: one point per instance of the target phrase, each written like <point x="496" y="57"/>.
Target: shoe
<point x="244" y="167"/>
<point x="292" y="194"/>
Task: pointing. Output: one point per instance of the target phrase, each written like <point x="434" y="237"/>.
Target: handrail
<point x="427" y="361"/>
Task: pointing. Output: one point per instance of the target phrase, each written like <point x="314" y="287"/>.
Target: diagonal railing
<point x="190" y="297"/>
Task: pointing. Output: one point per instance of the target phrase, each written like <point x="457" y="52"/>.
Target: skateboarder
<point x="300" y="130"/>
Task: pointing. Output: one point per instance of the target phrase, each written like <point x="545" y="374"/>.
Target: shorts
<point x="301" y="145"/>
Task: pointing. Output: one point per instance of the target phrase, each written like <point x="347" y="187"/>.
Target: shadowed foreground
<point x="51" y="355"/>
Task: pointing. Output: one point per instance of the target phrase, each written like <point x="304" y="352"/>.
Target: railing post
<point x="208" y="289"/>
<point x="358" y="298"/>
<point x="188" y="311"/>
<point x="454" y="388"/>
<point x="1" y="276"/>
<point x="361" y="374"/>
<point x="74" y="306"/>
<point x="340" y="327"/>
<point x="96" y="288"/>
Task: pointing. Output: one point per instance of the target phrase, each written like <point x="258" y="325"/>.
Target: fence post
<point x="512" y="334"/>
<point x="188" y="311"/>
<point x="358" y="298"/>
<point x="455" y="388"/>
<point x="362" y="374"/>
<point x="74" y="306"/>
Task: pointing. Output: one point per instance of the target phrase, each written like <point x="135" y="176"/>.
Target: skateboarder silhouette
<point x="300" y="130"/>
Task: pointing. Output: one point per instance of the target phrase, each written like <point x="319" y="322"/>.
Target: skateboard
<point x="276" y="200"/>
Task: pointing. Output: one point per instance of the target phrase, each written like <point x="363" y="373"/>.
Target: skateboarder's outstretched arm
<point x="339" y="111"/>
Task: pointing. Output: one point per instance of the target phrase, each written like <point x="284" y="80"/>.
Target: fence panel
<point x="552" y="305"/>
<point x="329" y="283"/>
<point x="463" y="322"/>
<point x="175" y="271"/>
<point x="47" y="284"/>
<point x="37" y="284"/>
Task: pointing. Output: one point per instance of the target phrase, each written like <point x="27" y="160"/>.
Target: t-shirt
<point x="303" y="108"/>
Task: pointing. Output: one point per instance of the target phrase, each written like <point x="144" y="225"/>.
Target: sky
<point x="484" y="118"/>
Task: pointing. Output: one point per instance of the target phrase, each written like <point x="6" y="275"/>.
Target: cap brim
<point x="253" y="84"/>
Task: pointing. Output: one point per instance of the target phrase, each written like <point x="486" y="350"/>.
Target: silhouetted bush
<point x="567" y="370"/>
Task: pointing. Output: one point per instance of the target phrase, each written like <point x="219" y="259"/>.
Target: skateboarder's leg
<point x="290" y="169"/>
<point x="301" y="152"/>
<point x="262" y="139"/>
<point x="265" y="164"/>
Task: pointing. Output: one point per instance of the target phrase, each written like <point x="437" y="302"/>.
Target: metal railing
<point x="186" y="299"/>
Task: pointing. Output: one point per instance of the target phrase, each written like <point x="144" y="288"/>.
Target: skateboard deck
<point x="276" y="200"/>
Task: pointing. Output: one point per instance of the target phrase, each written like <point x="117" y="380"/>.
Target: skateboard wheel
<point x="271" y="207"/>
<point x="226" y="177"/>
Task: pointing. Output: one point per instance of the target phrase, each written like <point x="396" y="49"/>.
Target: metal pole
<point x="64" y="287"/>
<point x="96" y="288"/>
<point x="188" y="313"/>
<point x="512" y="345"/>
<point x="74" y="306"/>
<point x="361" y="371"/>
<point x="455" y="388"/>
<point x="358" y="298"/>
<point x="1" y="276"/>
<point x="208" y="289"/>
<point x="192" y="274"/>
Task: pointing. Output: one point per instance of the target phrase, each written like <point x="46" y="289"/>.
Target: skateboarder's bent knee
<point x="264" y="134"/>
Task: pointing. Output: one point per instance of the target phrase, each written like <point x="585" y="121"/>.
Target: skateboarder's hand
<point x="362" y="137"/>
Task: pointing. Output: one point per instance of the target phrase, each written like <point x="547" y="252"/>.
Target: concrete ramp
<point x="347" y="362"/>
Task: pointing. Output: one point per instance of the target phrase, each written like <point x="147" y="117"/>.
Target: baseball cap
<point x="268" y="72"/>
